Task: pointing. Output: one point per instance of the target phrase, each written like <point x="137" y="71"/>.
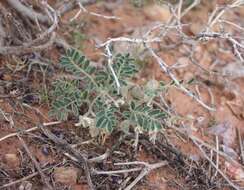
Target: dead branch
<point x="114" y="172"/>
<point x="25" y="178"/>
<point x="147" y="169"/>
<point x="29" y="130"/>
<point x="69" y="5"/>
<point x="48" y="16"/>
<point x="2" y="33"/>
<point x="241" y="145"/>
<point x="64" y="146"/>
<point x="27" y="12"/>
<point x="20" y="50"/>
<point x="43" y="176"/>
<point x="83" y="9"/>
<point x="36" y="44"/>
<point x="159" y="60"/>
<point x="216" y="166"/>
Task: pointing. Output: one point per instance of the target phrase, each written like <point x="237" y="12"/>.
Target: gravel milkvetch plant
<point x="96" y="89"/>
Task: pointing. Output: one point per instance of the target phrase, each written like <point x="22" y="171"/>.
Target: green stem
<point x="84" y="73"/>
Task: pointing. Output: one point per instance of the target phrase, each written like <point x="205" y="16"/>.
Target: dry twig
<point x="145" y="171"/>
<point x="29" y="130"/>
<point x="43" y="176"/>
<point x="24" y="178"/>
<point x="83" y="9"/>
<point x="64" y="146"/>
<point x="215" y="166"/>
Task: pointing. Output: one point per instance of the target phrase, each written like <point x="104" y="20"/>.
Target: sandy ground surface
<point x="225" y="93"/>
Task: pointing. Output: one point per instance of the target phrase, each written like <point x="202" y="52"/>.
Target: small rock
<point x="66" y="175"/>
<point x="188" y="76"/>
<point x="234" y="70"/>
<point x="196" y="28"/>
<point x="25" y="185"/>
<point x="183" y="61"/>
<point x="157" y="12"/>
<point x="45" y="150"/>
<point x="11" y="160"/>
<point x="81" y="187"/>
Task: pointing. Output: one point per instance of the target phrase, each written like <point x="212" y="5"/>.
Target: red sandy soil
<point x="229" y="106"/>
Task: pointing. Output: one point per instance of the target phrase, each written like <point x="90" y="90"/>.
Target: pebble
<point x="66" y="175"/>
<point x="11" y="160"/>
<point x="157" y="12"/>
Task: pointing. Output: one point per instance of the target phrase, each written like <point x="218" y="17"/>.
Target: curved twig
<point x="27" y="12"/>
<point x="19" y="50"/>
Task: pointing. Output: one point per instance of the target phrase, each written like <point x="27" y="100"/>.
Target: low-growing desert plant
<point x="96" y="89"/>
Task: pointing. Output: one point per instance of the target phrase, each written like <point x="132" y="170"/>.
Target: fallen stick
<point x="29" y="130"/>
<point x="148" y="168"/>
<point x="24" y="178"/>
<point x="64" y="146"/>
<point x="35" y="162"/>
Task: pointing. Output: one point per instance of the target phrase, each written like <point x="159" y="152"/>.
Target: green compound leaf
<point x="148" y="118"/>
<point x="67" y="99"/>
<point x="124" y="67"/>
<point x="78" y="65"/>
<point x="106" y="119"/>
<point x="103" y="78"/>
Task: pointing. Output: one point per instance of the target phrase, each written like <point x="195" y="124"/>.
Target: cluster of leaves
<point x="144" y="116"/>
<point x="96" y="88"/>
<point x="68" y="99"/>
